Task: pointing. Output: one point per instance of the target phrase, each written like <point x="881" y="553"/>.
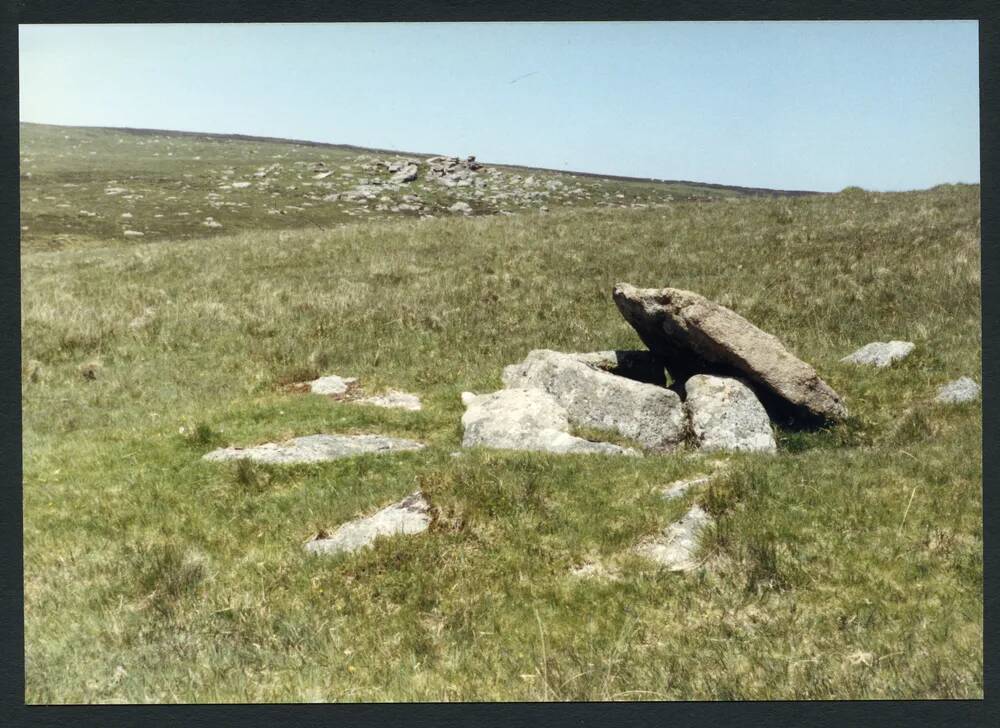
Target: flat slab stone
<point x="726" y="415"/>
<point x="651" y="415"/>
<point x="694" y="335"/>
<point x="331" y="384"/>
<point x="393" y="400"/>
<point x="314" y="449"/>
<point x="880" y="353"/>
<point x="676" y="547"/>
<point x="408" y="516"/>
<point x="524" y="419"/>
<point x="959" y="391"/>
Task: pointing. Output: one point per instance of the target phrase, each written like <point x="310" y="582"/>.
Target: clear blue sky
<point x="795" y="105"/>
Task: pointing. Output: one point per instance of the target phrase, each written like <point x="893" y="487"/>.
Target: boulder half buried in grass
<point x="408" y="516"/>
<point x="651" y="415"/>
<point x="880" y="353"/>
<point x="676" y="547"/>
<point x="957" y="392"/>
<point x="314" y="449"/>
<point x="694" y="335"/>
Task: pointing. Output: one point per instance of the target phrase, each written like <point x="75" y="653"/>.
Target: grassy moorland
<point x="849" y="565"/>
<point x="87" y="187"/>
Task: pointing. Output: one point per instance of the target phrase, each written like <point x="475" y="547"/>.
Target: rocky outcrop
<point x="694" y="335"/>
<point x="880" y="353"/>
<point x="314" y="449"/>
<point x="726" y="415"/>
<point x="524" y="419"/>
<point x="651" y="415"/>
<point x="408" y="516"/>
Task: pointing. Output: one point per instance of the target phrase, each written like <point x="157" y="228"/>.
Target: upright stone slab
<point x="697" y="336"/>
<point x="652" y="416"/>
<point x="726" y="415"/>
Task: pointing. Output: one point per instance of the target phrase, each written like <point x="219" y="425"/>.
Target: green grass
<point x="847" y="566"/>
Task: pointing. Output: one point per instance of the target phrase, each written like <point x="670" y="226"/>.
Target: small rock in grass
<point x="393" y="400"/>
<point x="880" y="353"/>
<point x="677" y="546"/>
<point x="408" y="516"/>
<point x="959" y="391"/>
<point x="595" y="571"/>
<point x="331" y="384"/>
<point x="314" y="449"/>
<point x="726" y="415"/>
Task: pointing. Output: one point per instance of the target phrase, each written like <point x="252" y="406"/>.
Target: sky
<point x="819" y="106"/>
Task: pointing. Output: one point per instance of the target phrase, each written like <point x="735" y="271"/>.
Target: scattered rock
<point x="726" y="415"/>
<point x="408" y="516"/>
<point x="314" y="449"/>
<point x="959" y="391"/>
<point x="653" y="416"/>
<point x="880" y="353"/>
<point x="393" y="400"/>
<point x="331" y="385"/>
<point x="677" y="546"/>
<point x="697" y="336"/>
<point x="524" y="419"/>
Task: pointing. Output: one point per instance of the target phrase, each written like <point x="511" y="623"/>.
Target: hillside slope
<point x="83" y="186"/>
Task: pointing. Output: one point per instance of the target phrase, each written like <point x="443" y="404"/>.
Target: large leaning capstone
<point x="408" y="516"/>
<point x="314" y="449"/>
<point x="726" y="415"/>
<point x="697" y="336"/>
<point x="651" y="415"/>
<point x="524" y="419"/>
